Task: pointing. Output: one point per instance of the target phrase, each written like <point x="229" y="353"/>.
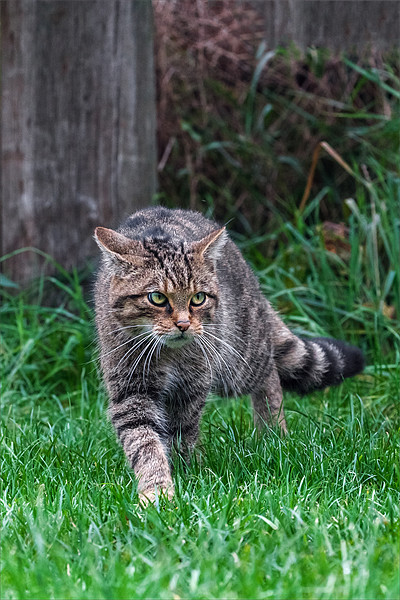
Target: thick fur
<point x="161" y="362"/>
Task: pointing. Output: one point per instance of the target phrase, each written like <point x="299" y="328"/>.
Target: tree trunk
<point x="78" y="114"/>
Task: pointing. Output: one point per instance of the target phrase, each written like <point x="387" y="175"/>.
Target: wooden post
<point x="78" y="135"/>
<point x="351" y="25"/>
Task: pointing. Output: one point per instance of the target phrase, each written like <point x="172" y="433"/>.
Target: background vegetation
<point x="314" y="515"/>
<point x="238" y="123"/>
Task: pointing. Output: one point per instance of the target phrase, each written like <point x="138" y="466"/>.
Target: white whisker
<point x="137" y="360"/>
<point x="162" y="340"/>
<point x="126" y="327"/>
<point x="231" y="348"/>
<point x="216" y="356"/>
<point x="216" y="327"/>
<point x="219" y="357"/>
<point x="148" y="357"/>
<point x="199" y="343"/>
<point x="134" y="348"/>
<point x="132" y="339"/>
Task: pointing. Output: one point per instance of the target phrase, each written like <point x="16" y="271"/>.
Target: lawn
<point x="314" y="515"/>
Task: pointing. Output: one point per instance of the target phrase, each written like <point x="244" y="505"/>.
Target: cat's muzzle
<point x="179" y="340"/>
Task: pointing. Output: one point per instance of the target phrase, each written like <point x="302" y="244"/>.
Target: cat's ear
<point x="212" y="245"/>
<point x="118" y="246"/>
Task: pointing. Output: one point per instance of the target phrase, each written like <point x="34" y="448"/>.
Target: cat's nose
<point x="183" y="325"/>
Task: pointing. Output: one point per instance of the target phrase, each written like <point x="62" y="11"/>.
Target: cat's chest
<point x="172" y="381"/>
<point x="178" y="383"/>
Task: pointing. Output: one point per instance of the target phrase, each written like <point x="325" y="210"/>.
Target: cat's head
<point x="168" y="288"/>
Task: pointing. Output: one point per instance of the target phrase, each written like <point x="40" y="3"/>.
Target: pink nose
<point x="183" y="325"/>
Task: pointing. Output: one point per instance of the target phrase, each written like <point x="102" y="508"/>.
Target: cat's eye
<point x="157" y="299"/>
<point x="198" y="299"/>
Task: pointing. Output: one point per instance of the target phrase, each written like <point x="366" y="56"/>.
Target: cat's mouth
<point x="178" y="340"/>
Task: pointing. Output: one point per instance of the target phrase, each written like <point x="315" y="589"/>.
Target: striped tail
<point x="307" y="365"/>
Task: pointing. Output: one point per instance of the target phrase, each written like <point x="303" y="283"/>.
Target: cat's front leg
<point x="142" y="430"/>
<point x="186" y="423"/>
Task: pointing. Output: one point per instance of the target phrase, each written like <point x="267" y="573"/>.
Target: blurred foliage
<point x="238" y="123"/>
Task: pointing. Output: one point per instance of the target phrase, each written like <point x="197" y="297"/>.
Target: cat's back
<point x="174" y="225"/>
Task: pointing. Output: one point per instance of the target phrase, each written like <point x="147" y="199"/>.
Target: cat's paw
<point x="152" y="495"/>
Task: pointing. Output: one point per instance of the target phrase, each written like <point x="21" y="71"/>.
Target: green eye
<point x="198" y="299"/>
<point x="157" y="299"/>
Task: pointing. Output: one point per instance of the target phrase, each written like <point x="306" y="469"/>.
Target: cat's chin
<point x="178" y="341"/>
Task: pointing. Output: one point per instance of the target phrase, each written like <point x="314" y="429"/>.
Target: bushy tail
<point x="307" y="365"/>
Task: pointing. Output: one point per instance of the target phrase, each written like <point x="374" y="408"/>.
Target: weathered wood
<point x="335" y="24"/>
<point x="78" y="114"/>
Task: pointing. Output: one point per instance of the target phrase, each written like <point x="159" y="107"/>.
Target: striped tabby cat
<point x="179" y="314"/>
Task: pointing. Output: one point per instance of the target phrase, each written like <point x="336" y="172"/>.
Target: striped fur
<point x="160" y="362"/>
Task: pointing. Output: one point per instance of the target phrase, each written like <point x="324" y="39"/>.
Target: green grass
<point x="314" y="515"/>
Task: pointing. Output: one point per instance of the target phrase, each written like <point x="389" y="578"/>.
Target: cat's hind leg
<point x="268" y="403"/>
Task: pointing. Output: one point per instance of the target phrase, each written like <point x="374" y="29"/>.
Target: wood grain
<point x="78" y="113"/>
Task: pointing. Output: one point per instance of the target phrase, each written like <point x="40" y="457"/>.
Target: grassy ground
<point x="311" y="516"/>
<point x="315" y="515"/>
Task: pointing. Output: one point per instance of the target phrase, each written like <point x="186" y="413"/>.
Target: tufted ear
<point x="212" y="245"/>
<point x="118" y="246"/>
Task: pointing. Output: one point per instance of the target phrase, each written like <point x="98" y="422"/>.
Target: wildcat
<point x="179" y="314"/>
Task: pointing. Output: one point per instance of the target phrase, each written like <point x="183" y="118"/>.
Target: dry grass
<point x="224" y="101"/>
